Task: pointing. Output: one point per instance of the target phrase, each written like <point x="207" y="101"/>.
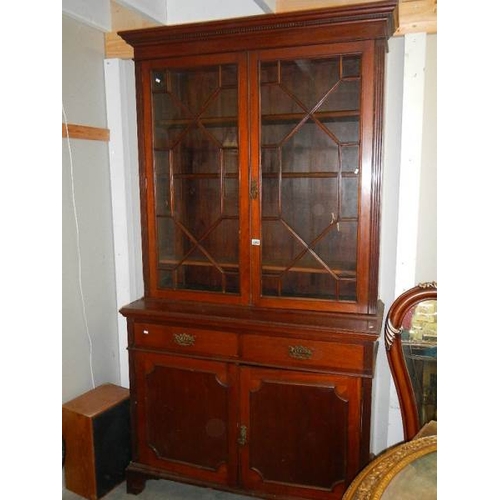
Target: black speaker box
<point x="96" y="435"/>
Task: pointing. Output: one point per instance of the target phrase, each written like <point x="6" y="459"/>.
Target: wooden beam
<point x="415" y="16"/>
<point x="123" y="19"/>
<point x="84" y="132"/>
<point x="117" y="48"/>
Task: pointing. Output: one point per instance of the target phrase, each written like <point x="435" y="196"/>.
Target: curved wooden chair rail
<point x="393" y="327"/>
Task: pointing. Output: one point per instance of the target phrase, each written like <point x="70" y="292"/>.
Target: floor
<point x="163" y="490"/>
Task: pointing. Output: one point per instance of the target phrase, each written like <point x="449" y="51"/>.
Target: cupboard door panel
<point x="301" y="437"/>
<point x="184" y="415"/>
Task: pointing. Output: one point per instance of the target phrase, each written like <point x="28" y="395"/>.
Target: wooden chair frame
<point x="393" y="328"/>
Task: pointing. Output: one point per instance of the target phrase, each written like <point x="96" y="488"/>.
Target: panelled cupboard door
<point x="184" y="416"/>
<point x="299" y="432"/>
<point x="312" y="158"/>
<point x="195" y="165"/>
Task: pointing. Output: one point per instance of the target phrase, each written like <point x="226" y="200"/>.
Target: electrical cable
<point x="75" y="213"/>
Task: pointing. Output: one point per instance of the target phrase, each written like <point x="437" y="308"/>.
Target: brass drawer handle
<point x="184" y="339"/>
<point x="299" y="352"/>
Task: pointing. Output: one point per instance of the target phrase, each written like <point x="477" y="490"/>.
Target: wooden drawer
<point x="186" y="340"/>
<point x="303" y="353"/>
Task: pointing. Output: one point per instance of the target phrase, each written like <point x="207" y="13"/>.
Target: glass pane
<point x="419" y="342"/>
<point x="275" y="133"/>
<point x="309" y="80"/>
<point x="309" y="205"/>
<point x="196" y="153"/>
<point x="162" y="184"/>
<point x="345" y="131"/>
<point x="347" y="289"/>
<point x="270" y="159"/>
<point x="269" y="72"/>
<point x="196" y="142"/>
<point x="351" y="66"/>
<point x="224" y="103"/>
<point x="230" y="161"/>
<point x="310" y="147"/>
<point x="194" y="89"/>
<point x="349" y="158"/>
<point x="345" y="96"/>
<point x="317" y="286"/>
<point x="349" y="204"/>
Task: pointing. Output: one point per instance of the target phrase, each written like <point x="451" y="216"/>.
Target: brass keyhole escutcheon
<point x="254" y="190"/>
<point x="242" y="440"/>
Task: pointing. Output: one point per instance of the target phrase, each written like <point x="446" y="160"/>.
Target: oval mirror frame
<point x="394" y="326"/>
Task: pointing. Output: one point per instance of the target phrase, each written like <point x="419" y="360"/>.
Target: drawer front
<point x="303" y="353"/>
<point x="186" y="340"/>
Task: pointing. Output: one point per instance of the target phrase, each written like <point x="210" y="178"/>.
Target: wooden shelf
<point x="323" y="116"/>
<point x="307" y="175"/>
<point x="266" y="175"/>
<point x="341" y="273"/>
<point x="207" y="175"/>
<point x="168" y="263"/>
<point x="271" y="269"/>
<point x="268" y="119"/>
<point x="209" y="121"/>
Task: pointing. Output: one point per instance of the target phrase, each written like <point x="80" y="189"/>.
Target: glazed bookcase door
<point x="195" y="170"/>
<point x="313" y="161"/>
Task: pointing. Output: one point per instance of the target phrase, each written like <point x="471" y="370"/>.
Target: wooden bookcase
<point x="252" y="352"/>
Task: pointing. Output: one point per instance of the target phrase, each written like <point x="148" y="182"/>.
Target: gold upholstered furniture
<point x="407" y="471"/>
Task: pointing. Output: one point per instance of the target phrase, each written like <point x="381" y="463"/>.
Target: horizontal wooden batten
<point x="417" y="16"/>
<point x="117" y="48"/>
<point x="84" y="132"/>
<point x="123" y="18"/>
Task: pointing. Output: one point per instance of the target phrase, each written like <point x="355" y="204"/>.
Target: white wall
<point x="124" y="175"/>
<point x="185" y="11"/>
<point x="89" y="333"/>
<point x="408" y="252"/>
<point x="426" y="268"/>
<point x="393" y="108"/>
